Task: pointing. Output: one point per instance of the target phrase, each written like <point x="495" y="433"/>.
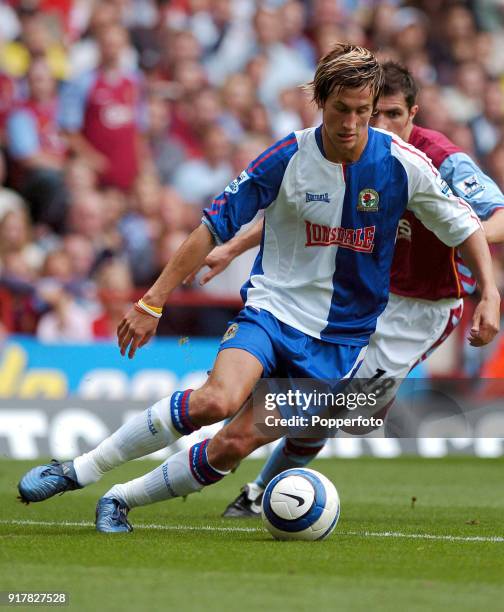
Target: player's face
<point x="346" y="114"/>
<point x="393" y="114"/>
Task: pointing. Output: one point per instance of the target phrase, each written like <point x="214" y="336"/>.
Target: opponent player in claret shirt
<point x="428" y="278"/>
<point x="333" y="197"/>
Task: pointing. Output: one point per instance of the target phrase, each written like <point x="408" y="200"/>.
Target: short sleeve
<point x="469" y="182"/>
<point x="253" y="190"/>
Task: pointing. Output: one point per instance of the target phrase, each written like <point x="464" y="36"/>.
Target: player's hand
<point x="486" y="320"/>
<point x="217" y="260"/>
<point x="134" y="331"/>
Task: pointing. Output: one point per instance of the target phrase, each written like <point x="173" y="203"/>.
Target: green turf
<point x="182" y="569"/>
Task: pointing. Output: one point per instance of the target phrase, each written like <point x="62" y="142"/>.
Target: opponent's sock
<point x="181" y="474"/>
<point x="155" y="428"/>
<point x="289" y="453"/>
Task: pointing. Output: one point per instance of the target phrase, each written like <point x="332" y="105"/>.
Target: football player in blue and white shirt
<point x="332" y="198"/>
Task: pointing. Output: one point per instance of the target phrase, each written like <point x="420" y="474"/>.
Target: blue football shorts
<point x="285" y="352"/>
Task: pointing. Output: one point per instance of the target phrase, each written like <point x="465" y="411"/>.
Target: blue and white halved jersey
<point x="329" y="229"/>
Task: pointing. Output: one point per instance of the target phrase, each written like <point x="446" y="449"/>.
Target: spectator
<point x="80" y="178"/>
<point x="175" y="214"/>
<point x="324" y="36"/>
<point x="259" y="121"/>
<point x="16" y="239"/>
<point x="227" y="40"/>
<point x="115" y="290"/>
<point x="115" y="206"/>
<point x="410" y="32"/>
<point x="10" y="27"/>
<point x="36" y="145"/>
<point x="147" y="198"/>
<point x="85" y="53"/>
<point x="294" y="17"/>
<point x="100" y="113"/>
<point x="167" y="246"/>
<point x="190" y="76"/>
<point x="457" y="38"/>
<point x="238" y="98"/>
<point x="465" y="96"/>
<point x="81" y="255"/>
<point x="36" y="41"/>
<point x="193" y="115"/>
<point x="382" y="25"/>
<point x="488" y="127"/>
<point x="10" y="200"/>
<point x="18" y="278"/>
<point x="166" y="150"/>
<point x="328" y="11"/>
<point x="489" y="52"/>
<point x="8" y="96"/>
<point x="285" y="66"/>
<point x="288" y="118"/>
<point x="87" y="217"/>
<point x="66" y="321"/>
<point x="461" y="135"/>
<point x="82" y="262"/>
<point x="178" y="46"/>
<point x="197" y="181"/>
<point x="433" y="109"/>
<point x="138" y="235"/>
<point x="495" y="165"/>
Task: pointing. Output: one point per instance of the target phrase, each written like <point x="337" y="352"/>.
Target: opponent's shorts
<point x="285" y="352"/>
<point x="407" y="332"/>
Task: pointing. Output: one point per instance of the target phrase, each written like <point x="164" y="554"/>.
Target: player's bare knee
<point x="214" y="404"/>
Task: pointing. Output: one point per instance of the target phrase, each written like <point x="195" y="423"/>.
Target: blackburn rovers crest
<point x="230" y="332"/>
<point x="368" y="200"/>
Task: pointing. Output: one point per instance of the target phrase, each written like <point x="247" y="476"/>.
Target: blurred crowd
<point x="121" y="119"/>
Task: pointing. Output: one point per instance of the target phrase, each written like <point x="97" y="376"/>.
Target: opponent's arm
<point x="494" y="227"/>
<point x="137" y="327"/>
<point x="468" y="181"/>
<point x="485" y="323"/>
<point x="456" y="224"/>
<point x="221" y="256"/>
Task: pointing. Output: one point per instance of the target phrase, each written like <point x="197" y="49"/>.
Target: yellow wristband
<point x="158" y="309"/>
<point x="155" y="311"/>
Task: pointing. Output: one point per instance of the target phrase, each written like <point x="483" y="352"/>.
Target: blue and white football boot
<point x="44" y="481"/>
<point x="111" y="516"/>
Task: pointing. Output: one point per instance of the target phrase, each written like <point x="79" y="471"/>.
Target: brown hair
<point x="398" y="79"/>
<point x="346" y="66"/>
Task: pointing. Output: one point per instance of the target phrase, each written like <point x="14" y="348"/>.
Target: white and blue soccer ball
<point x="300" y="504"/>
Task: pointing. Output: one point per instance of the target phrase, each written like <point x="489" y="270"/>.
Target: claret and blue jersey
<point x="423" y="267"/>
<point x="329" y="229"/>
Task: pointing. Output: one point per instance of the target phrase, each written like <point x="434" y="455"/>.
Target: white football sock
<point x="141" y="435"/>
<point x="181" y="474"/>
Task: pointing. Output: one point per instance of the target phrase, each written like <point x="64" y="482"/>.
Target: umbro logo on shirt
<point x="318" y="197"/>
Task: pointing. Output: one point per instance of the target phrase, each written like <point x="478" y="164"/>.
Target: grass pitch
<point x="445" y="551"/>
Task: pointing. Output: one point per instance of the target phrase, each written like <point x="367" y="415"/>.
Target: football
<point x="300" y="504"/>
